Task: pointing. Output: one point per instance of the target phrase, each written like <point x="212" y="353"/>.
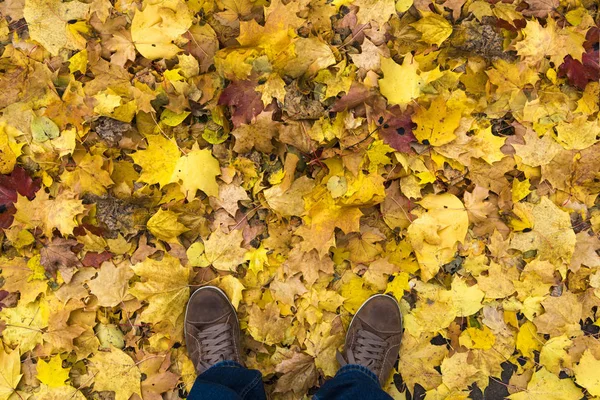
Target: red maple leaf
<point x="18" y="181"/>
<point x="396" y="129"/>
<point x="93" y="259"/>
<point x="245" y="101"/>
<point x="579" y="73"/>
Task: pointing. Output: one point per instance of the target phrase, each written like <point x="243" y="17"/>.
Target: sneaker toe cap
<point x="208" y="305"/>
<point x="382" y="314"/>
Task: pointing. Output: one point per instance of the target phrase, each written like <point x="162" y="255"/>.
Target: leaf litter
<point x="301" y="156"/>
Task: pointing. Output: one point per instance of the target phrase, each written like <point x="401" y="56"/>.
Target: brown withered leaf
<point x="298" y="370"/>
<point x="59" y="256"/>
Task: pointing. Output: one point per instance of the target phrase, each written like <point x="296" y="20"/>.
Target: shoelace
<point x="368" y="351"/>
<point x="217" y="345"/>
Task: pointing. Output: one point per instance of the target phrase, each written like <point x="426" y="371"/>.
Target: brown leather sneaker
<point x="374" y="336"/>
<point x="211" y="328"/>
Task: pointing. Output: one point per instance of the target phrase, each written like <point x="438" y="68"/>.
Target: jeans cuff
<point x="358" y="368"/>
<point x="227" y="363"/>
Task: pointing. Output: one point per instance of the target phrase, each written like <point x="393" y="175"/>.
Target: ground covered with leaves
<point x="301" y="157"/>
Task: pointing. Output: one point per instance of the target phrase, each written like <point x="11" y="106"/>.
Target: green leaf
<point x="43" y="128"/>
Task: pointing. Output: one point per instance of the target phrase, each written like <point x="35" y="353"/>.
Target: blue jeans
<point x="228" y="380"/>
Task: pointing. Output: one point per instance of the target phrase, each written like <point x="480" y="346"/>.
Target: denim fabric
<point x="228" y="380"/>
<point x="352" y="382"/>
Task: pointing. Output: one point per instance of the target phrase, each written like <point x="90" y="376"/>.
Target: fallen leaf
<point x="11" y="368"/>
<point x="164" y="225"/>
<point x="545" y="385"/>
<point x="115" y="371"/>
<point x="584" y="373"/>
<point x="156" y="26"/>
<point x="50" y="20"/>
<point x="58" y="256"/>
<point x="164" y="287"/>
<point x="197" y="171"/>
<point x="224" y="251"/>
<point x="52" y="373"/>
<point x="110" y="286"/>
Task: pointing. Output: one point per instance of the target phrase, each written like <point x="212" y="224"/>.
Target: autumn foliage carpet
<point x="301" y="156"/>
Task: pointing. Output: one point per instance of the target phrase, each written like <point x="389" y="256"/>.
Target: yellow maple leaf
<point x="458" y="372"/>
<point x="561" y="316"/>
<point x="337" y="82"/>
<point x="267" y="326"/>
<point x="510" y="78"/>
<point x="539" y="42"/>
<point x="115" y="371"/>
<point x="486" y="145"/>
<point x="52" y="373"/>
<point x="257" y="259"/>
<point x="9" y="157"/>
<point x="586" y="373"/>
<point x="552" y="235"/>
<point x="49" y="21"/>
<point x="110" y="286"/>
<point x="156" y="27"/>
<point x="443" y="392"/>
<point x="233" y="288"/>
<point x="24" y="324"/>
<point x="164" y="285"/>
<point x="353" y="290"/>
<point x="229" y="195"/>
<point x="473" y="338"/>
<point x="59" y="213"/>
<point x="257" y="135"/>
<point x="78" y="62"/>
<point x="10" y="365"/>
<point x="554" y="356"/>
<point x="545" y="385"/>
<point x="436" y="125"/>
<point x="537" y="150"/>
<point x="158" y="160"/>
<point x="434" y="235"/>
<point x="322" y="219"/>
<point x="520" y="189"/>
<point x="275" y="35"/>
<point x="88" y="176"/>
<point x="285" y="291"/>
<point x="398" y="285"/>
<point x="171" y="118"/>
<point x="289" y="201"/>
<point x="499" y="281"/>
<point x="433" y="313"/>
<point x="225" y="251"/>
<point x="430" y="356"/>
<point x="434" y="28"/>
<point x="59" y="393"/>
<point x="106" y="102"/>
<point x="378" y="272"/>
<point x="19" y="277"/>
<point x="322" y="344"/>
<point x="298" y="369"/>
<point x="378" y="11"/>
<point x="588" y="103"/>
<point x="477" y="208"/>
<point x="578" y="134"/>
<point x="164" y="225"/>
<point x="465" y="300"/>
<point x="197" y="170"/>
<point x="528" y="340"/>
<point x="196" y="256"/>
<point x="402" y="83"/>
